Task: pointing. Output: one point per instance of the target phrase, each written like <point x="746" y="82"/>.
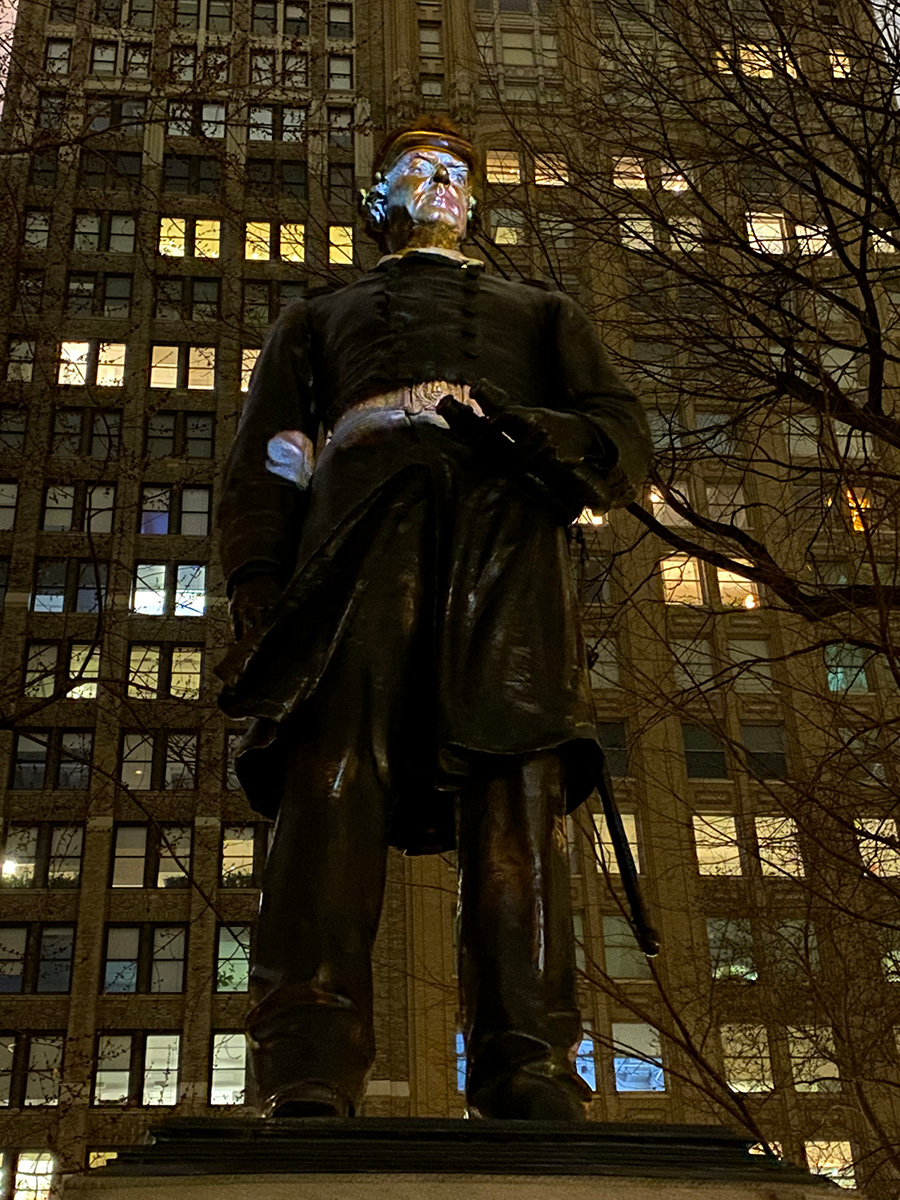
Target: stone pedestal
<point x="375" y="1159"/>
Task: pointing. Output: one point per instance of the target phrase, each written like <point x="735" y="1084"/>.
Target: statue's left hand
<point x="251" y="601"/>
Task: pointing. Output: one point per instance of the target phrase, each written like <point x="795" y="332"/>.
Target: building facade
<point x="175" y="172"/>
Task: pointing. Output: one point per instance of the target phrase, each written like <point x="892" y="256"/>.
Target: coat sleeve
<point x="259" y="513"/>
<point x="589" y="385"/>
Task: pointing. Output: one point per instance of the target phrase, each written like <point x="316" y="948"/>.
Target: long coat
<point x="489" y="600"/>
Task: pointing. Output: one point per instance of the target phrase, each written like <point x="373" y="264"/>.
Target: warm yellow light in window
<point x="256" y="240"/>
<point x="858" y="503"/>
<point x="502" y="166"/>
<point x="550" y="170"/>
<point x="588" y="516"/>
<point x="206" y="239"/>
<point x="202" y="368"/>
<point x="293" y="243"/>
<point x="163" y="366"/>
<point x="248" y="362"/>
<point x="73" y="357"/>
<point x="172" y="236"/>
<point x="111" y="364"/>
<point x="340" y="245"/>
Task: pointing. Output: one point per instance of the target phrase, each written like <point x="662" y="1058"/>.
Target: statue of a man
<point x="409" y="640"/>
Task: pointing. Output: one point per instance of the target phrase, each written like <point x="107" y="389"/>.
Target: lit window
<point x="19" y="856"/>
<point x="57" y="57"/>
<point x="840" y="64"/>
<point x="502" y="166"/>
<point x="687" y="235"/>
<point x="765" y="232"/>
<point x="233" y="958"/>
<point x="663" y="511"/>
<point x="812" y="240"/>
<point x="173" y="868"/>
<point x="745" y="1049"/>
<point x="160" y="1077"/>
<point x="73" y="363"/>
<point x="129" y="856"/>
<point x="879" y="847"/>
<point x="340" y="245"/>
<point x="84" y="671"/>
<point x="604" y="851"/>
<point x="673" y="180"/>
<point x="248" y="362"/>
<point x="99" y="1158"/>
<point x="201" y="368"/>
<point x="40" y="670"/>
<point x="629" y="173"/>
<point x="111" y="364"/>
<point x="680" y="577"/>
<point x="206" y="238"/>
<point x="212" y="120"/>
<point x="636" y="233"/>
<point x="143" y="672"/>
<point x="459" y="1048"/>
<point x="257" y="238"/>
<point x="261" y="124"/>
<point x="292" y="245"/>
<point x="149" y="594"/>
<point x="507" y="227"/>
<point x="715" y="840"/>
<point x="229" y="1067"/>
<point x="779" y="848"/>
<point x="190" y="590"/>
<point x="637" y="1057"/>
<point x="735" y="590"/>
<point x="859" y="504"/>
<point x="195" y="512"/>
<point x="812" y="1059"/>
<point x="833" y="1160"/>
<point x="137" y="762"/>
<point x="112" y="1076"/>
<point x="163" y="366"/>
<point x="187" y="662"/>
<point x="585" y="1062"/>
<point x="550" y="170"/>
<point x="172" y="236"/>
<point x="845" y="668"/>
<point x="37" y="229"/>
<point x="34" y="1176"/>
<point x="237" y="856"/>
<point x="755" y="60"/>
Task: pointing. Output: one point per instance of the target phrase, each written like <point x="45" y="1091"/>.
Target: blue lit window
<point x="584" y="1062"/>
<point x="460" y="1063"/>
<point x="637" y="1058"/>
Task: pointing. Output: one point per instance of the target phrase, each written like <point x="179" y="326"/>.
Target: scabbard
<point x="645" y="935"/>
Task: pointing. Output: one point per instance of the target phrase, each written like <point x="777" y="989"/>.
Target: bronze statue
<point x="409" y="640"/>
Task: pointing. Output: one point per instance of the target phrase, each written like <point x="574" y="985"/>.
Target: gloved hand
<point x="252" y="598"/>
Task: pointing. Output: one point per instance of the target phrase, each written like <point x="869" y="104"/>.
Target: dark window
<point x="107" y="12"/>
<point x="162" y="760"/>
<point x="13" y="945"/>
<point x="43" y="169"/>
<point x="30" y="290"/>
<point x="58" y="758"/>
<point x="62" y="585"/>
<point x="144" y="958"/>
<point x="612" y="739"/>
<point x="62" y="12"/>
<point x="187" y="14"/>
<point x="109" y="170"/>
<point x="218" y="16"/>
<point x="731" y="948"/>
<point x="12" y="429"/>
<point x="296" y="19"/>
<point x="54" y="968"/>
<point x="140" y="14"/>
<point x="192" y="174"/>
<point x="265" y="19"/>
<point x="766" y="757"/>
<point x="341" y="182"/>
<point x="180" y="434"/>
<point x="340" y="20"/>
<point x="283" y="177"/>
<point x="86" y="431"/>
<point x="704" y="754"/>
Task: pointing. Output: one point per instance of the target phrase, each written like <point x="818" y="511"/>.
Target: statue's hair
<point x="433" y="129"/>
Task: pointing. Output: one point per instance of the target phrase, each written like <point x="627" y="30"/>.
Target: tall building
<point x="174" y="172"/>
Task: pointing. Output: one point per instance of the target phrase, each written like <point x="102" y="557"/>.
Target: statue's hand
<point x="251" y="601"/>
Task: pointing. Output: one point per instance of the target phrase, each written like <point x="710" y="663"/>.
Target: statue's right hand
<point x="251" y="601"/>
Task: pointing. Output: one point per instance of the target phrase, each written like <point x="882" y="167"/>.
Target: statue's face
<point x="433" y="187"/>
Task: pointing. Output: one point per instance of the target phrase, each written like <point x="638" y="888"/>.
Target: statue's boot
<point x="310" y="1053"/>
<point x="517" y="955"/>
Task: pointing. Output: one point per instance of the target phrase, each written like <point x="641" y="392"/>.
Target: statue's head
<point x="422" y="189"/>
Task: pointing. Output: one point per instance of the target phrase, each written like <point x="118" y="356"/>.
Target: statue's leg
<point x="517" y="958"/>
<point x="310" y="1031"/>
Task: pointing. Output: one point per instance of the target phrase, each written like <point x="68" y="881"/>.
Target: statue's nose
<point x="441" y="174"/>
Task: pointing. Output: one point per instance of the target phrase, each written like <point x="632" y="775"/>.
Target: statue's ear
<point x="472" y="216"/>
